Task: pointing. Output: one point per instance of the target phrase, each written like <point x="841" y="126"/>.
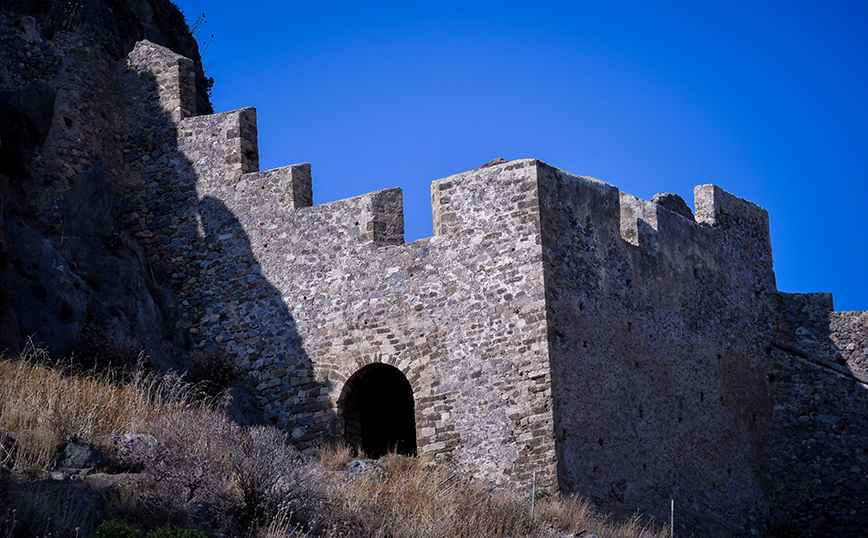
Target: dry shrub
<point x="190" y="469"/>
<point x="238" y="480"/>
<point x="271" y="476"/>
<point x="281" y="526"/>
<point x="124" y="497"/>
<point x="400" y="497"/>
<point x="405" y="497"/>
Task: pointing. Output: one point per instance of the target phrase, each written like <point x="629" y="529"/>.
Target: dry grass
<point x="575" y="514"/>
<point x="245" y="481"/>
<point x="44" y="406"/>
<point x="408" y="497"/>
<point x="335" y="456"/>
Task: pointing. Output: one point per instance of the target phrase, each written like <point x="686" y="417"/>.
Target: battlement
<point x="174" y="75"/>
<point x="223" y="148"/>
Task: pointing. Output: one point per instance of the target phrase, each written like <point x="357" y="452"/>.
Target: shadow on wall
<point x="817" y="442"/>
<point x="231" y="319"/>
<point x="71" y="280"/>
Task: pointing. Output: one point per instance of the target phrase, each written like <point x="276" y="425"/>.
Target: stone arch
<point x="377" y="408"/>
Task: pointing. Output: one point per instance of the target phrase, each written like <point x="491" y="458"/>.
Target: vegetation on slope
<point x="202" y="470"/>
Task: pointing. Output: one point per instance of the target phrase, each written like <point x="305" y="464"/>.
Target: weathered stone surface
<point x="133" y="448"/>
<point x="25" y="118"/>
<point x="116" y="26"/>
<point x="816" y="441"/>
<point x="70" y="500"/>
<point x="48" y="298"/>
<point x="89" y="208"/>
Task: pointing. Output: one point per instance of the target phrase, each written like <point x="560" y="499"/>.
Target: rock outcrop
<point x="74" y="277"/>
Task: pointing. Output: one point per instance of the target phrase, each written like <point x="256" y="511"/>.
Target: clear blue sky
<point x="768" y="100"/>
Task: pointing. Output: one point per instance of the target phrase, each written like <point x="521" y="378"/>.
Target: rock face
<point x="72" y="277"/>
<point x="116" y="26"/>
<point x="25" y="118"/>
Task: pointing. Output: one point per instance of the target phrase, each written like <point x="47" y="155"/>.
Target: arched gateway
<point x="378" y="411"/>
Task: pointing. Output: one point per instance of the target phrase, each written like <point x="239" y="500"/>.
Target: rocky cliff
<point x="74" y="277"/>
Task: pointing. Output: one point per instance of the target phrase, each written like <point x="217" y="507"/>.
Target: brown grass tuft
<point x="336" y="456"/>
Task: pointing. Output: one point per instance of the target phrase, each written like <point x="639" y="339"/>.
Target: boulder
<point x="78" y="458"/>
<point x="133" y="449"/>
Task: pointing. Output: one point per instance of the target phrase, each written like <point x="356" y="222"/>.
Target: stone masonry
<point x="628" y="350"/>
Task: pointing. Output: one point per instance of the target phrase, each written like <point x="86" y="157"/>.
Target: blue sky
<point x="768" y="100"/>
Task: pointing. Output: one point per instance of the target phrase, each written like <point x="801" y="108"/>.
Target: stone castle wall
<point x="300" y="298"/>
<point x="620" y="347"/>
<point x="817" y="444"/>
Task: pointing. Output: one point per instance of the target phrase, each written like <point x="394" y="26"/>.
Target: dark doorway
<point x="378" y="411"/>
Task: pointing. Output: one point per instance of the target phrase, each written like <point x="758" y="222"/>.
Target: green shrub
<point x="174" y="532"/>
<point x="113" y="529"/>
<point x="543" y="495"/>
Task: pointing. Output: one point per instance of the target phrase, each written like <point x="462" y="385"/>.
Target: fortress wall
<point x="552" y="323"/>
<point x="461" y="315"/>
<point x="221" y="147"/>
<point x="638" y="221"/>
<point x="656" y="392"/>
<point x="817" y="444"/>
<point x="298" y="298"/>
<point x="175" y="75"/>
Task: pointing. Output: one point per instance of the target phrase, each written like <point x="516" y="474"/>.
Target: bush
<point x="261" y="472"/>
<point x="190" y="469"/>
<point x="174" y="532"/>
<point x="113" y="529"/>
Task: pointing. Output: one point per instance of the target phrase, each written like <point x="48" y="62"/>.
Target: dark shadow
<point x="377" y="406"/>
<point x="816" y="443"/>
<point x="229" y="318"/>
